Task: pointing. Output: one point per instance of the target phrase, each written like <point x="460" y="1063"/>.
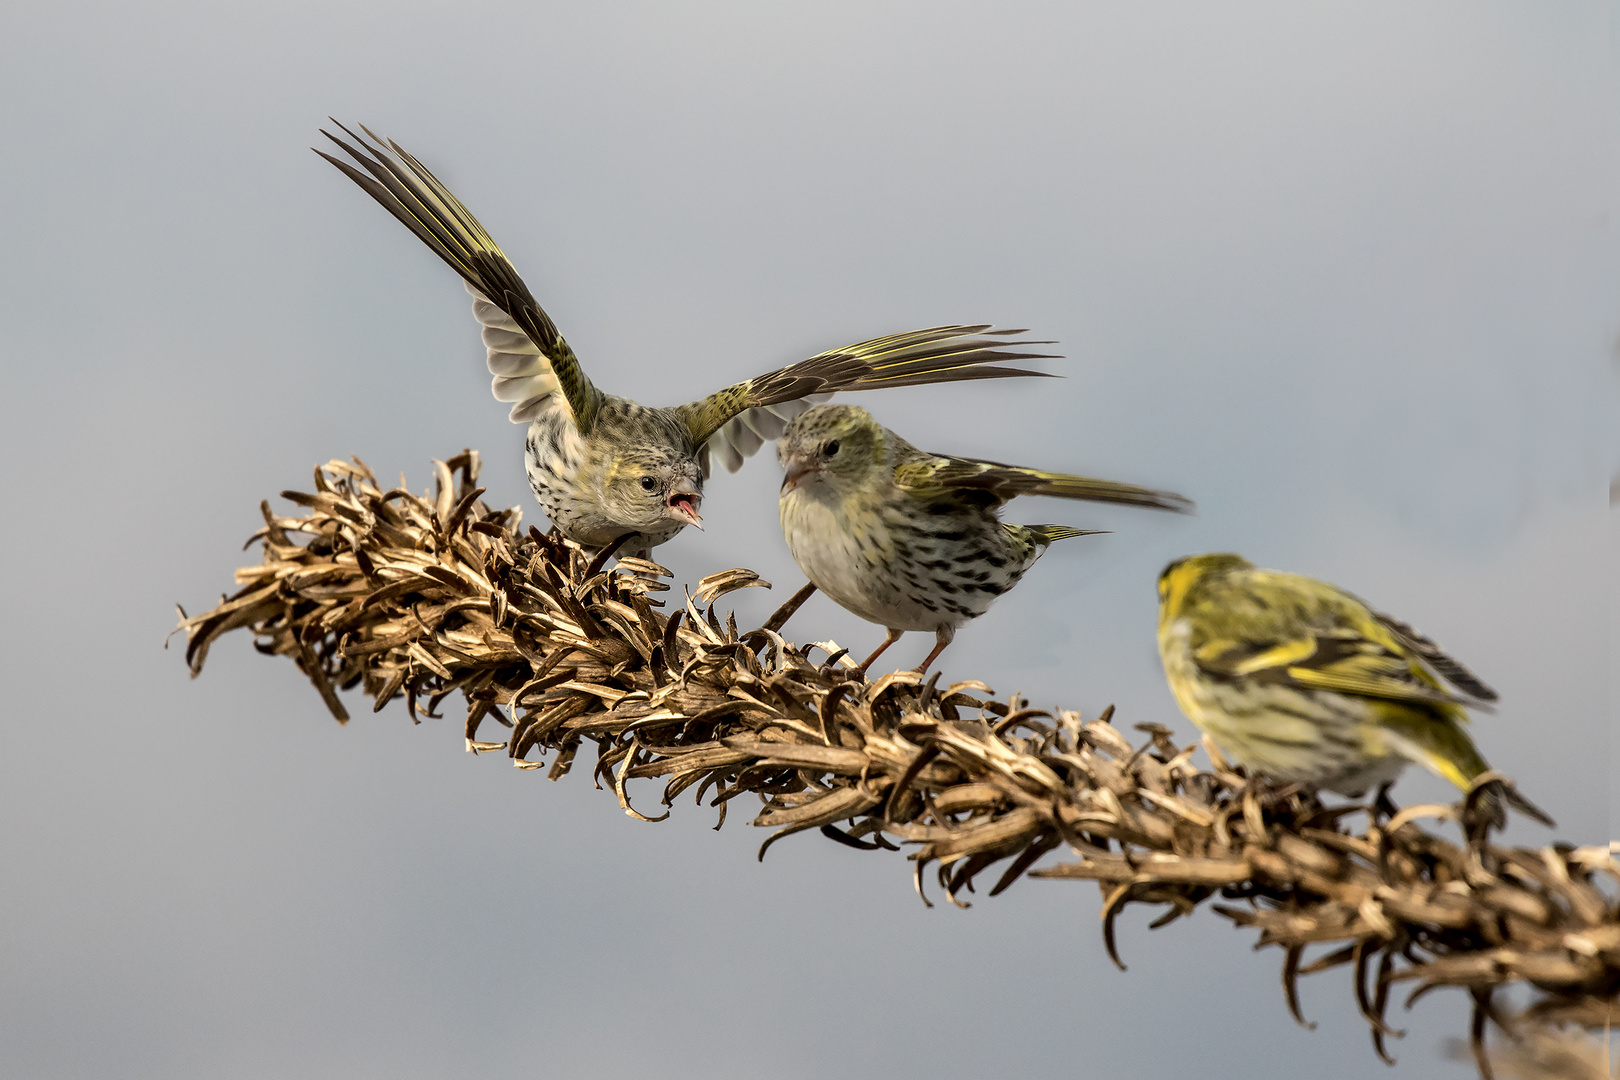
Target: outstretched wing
<point x="523" y="376"/>
<point x="932" y="475"/>
<point x="936" y="355"/>
<point x="746" y="432"/>
<point x="406" y="189"/>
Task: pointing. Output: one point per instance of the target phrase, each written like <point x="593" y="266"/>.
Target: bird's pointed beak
<point x="682" y="504"/>
<point x="797" y="472"/>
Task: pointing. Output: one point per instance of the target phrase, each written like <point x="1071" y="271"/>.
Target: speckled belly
<point x="895" y="570"/>
<point x="852" y="567"/>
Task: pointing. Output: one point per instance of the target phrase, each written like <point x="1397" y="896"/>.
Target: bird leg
<point x="894" y="636"/>
<point x="794" y="602"/>
<point x="942" y="638"/>
<point x="1383" y="807"/>
<point x="607" y="551"/>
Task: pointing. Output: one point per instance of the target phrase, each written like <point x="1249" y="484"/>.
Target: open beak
<point x="799" y="472"/>
<point x="682" y="504"/>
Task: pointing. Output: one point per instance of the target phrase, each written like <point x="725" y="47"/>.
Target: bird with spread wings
<point x="606" y="469"/>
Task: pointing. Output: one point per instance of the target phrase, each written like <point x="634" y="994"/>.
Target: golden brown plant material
<point x="1546" y="1053"/>
<point x="426" y="597"/>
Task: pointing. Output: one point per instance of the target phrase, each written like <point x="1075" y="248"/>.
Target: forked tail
<point x="1047" y="534"/>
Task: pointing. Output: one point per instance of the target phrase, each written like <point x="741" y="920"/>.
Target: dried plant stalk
<point x="1549" y="1054"/>
<point x="428" y="596"/>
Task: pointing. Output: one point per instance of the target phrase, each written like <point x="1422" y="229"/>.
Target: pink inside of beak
<point x="683" y="507"/>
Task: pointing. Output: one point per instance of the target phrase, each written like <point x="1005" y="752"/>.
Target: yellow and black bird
<point x="1300" y="680"/>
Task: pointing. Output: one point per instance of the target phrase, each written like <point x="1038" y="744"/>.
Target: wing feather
<point x="522" y="374"/>
<point x="1323" y="639"/>
<point x="408" y="190"/>
<point x="930" y="475"/>
<point x="938" y="354"/>
<point x="763" y="424"/>
<point x="1448" y="668"/>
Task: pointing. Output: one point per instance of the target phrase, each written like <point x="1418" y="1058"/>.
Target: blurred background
<point x="1346" y="274"/>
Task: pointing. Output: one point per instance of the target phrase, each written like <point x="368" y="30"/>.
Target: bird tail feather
<point x="1047" y="534"/>
<point x="1065" y="486"/>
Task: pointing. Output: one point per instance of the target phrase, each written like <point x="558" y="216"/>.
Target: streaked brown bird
<point x="605" y="467"/>
<point x="912" y="540"/>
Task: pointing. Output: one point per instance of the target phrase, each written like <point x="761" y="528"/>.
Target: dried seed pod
<point x="435" y="595"/>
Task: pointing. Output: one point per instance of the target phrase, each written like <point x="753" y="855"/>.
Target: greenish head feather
<point x="839" y="445"/>
<point x="1183" y="576"/>
<point x="647" y="486"/>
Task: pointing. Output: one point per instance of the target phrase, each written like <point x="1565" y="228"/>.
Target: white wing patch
<point x="746" y="432"/>
<point x="522" y="375"/>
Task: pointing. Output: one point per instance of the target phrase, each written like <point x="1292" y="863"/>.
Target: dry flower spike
<point x="429" y="596"/>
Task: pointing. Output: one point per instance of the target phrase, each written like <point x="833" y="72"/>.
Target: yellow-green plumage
<point x="1298" y="679"/>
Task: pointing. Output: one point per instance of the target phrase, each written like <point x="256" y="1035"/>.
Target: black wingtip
<point x="366" y="152"/>
<point x="1177" y="504"/>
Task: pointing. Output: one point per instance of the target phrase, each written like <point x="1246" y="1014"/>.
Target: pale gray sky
<point x="1344" y="273"/>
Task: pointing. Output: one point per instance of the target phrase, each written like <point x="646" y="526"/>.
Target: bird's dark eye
<point x="648" y="483"/>
<point x="831" y="449"/>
